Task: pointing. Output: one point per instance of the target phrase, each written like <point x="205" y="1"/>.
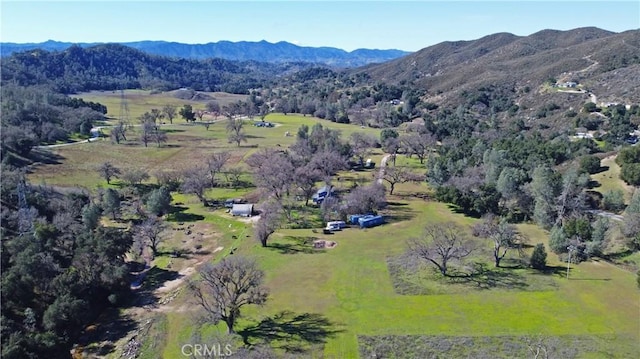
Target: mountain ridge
<point x="263" y="51"/>
<point x="582" y="53"/>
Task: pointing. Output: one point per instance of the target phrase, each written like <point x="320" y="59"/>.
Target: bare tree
<point x="264" y="111"/>
<point x="147" y="131"/>
<point x="392" y="145"/>
<point x="418" y="144"/>
<point x="361" y="144"/>
<point x="108" y="171"/>
<point x="213" y="107"/>
<point x="156" y="115"/>
<point x="195" y="181"/>
<point x="199" y="114"/>
<point x="228" y="286"/>
<point x="357" y="116"/>
<point x="541" y="347"/>
<point x="170" y="178"/>
<point x="572" y="199"/>
<point x="170" y="112"/>
<point x="149" y="232"/>
<point x="503" y="235"/>
<point x="119" y="132"/>
<point x="305" y="179"/>
<point x="233" y="175"/>
<point x="365" y="199"/>
<point x="275" y="174"/>
<point x="270" y="216"/>
<point x="159" y="136"/>
<point x="215" y="163"/>
<point x="134" y="176"/>
<point x="328" y="163"/>
<point x="440" y="245"/>
<point x="395" y="175"/>
<point x="235" y="131"/>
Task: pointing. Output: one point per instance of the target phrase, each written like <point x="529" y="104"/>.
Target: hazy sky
<point x="405" y="25"/>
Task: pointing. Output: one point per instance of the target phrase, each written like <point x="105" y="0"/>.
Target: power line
<point x="25" y="215"/>
<point x="124" y="108"/>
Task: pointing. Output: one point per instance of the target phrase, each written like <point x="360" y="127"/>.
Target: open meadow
<point x="353" y="300"/>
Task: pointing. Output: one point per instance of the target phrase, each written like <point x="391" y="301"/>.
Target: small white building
<point x="244" y="210"/>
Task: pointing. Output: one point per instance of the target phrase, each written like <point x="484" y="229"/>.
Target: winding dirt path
<point x="383" y="164"/>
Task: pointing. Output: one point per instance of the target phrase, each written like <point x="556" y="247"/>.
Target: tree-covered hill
<point x="112" y="67"/>
<point x="263" y="51"/>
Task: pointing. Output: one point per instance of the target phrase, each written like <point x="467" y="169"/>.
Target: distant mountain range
<point x="243" y="51"/>
<point x="605" y="62"/>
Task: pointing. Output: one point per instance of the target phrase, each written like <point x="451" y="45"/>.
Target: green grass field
<point x="140" y="101"/>
<point x="350" y="287"/>
<point x="339" y="302"/>
<point x="609" y="180"/>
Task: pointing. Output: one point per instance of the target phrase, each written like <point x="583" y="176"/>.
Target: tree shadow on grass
<point x="300" y="245"/>
<point x="290" y="331"/>
<point x="154" y="278"/>
<point x="45" y="156"/>
<point x="491" y="278"/>
<point x="560" y="271"/>
<point x="178" y="214"/>
<point x="601" y="169"/>
<point x="593" y="184"/>
<point x="400" y="213"/>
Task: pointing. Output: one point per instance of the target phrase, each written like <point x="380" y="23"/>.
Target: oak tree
<point x="227" y="286"/>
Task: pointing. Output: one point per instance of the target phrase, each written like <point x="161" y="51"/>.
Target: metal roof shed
<point x="244" y="210"/>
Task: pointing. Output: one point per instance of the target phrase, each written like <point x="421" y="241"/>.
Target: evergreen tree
<point x="539" y="257"/>
<point x="111" y="202"/>
<point x="558" y="240"/>
<point x="159" y="201"/>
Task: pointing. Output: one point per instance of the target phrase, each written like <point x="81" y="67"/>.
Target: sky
<point x="349" y="25"/>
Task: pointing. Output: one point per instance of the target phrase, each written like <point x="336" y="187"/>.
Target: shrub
<point x="558" y="240"/>
<point x="590" y="164"/>
<point x="630" y="173"/>
<point x="539" y="257"/>
<point x="613" y="200"/>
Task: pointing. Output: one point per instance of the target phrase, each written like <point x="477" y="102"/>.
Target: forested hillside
<point x="262" y="51"/>
<point x="115" y="67"/>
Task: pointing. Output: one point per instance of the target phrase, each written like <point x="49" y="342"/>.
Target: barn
<point x="244" y="210"/>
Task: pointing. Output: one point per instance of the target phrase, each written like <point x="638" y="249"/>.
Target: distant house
<point x="583" y="135"/>
<point x="568" y="84"/>
<point x="244" y="210"/>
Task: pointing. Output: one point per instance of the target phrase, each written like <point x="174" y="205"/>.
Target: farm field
<point x="349" y="301"/>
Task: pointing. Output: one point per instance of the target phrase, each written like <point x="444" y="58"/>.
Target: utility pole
<point x="571" y="249"/>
